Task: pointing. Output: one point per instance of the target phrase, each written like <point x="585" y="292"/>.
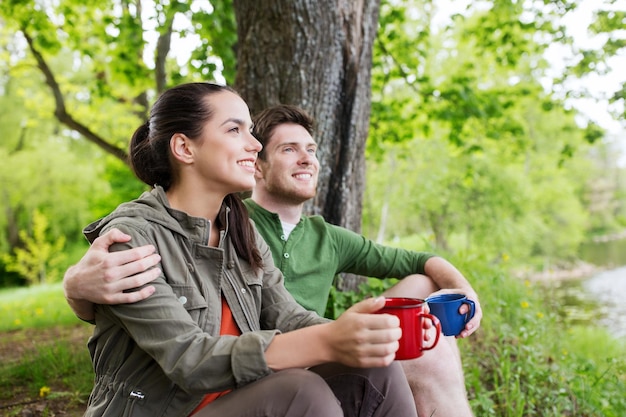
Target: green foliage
<point x="38" y="262"/>
<point x="217" y="30"/>
<point x="531" y="359"/>
<point x="339" y="301"/>
<point x="124" y="186"/>
<point x="488" y="159"/>
<point x="43" y="176"/>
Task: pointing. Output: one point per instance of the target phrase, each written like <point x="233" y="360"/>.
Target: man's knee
<point x="414" y="286"/>
<point x="442" y="364"/>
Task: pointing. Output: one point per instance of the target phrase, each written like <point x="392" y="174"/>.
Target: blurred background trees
<point x="467" y="125"/>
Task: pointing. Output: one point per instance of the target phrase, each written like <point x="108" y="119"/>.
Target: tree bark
<point x="317" y="55"/>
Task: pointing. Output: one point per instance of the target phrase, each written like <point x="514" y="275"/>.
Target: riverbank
<point x="610" y="237"/>
<point x="576" y="270"/>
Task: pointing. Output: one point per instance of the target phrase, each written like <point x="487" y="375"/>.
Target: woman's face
<point x="226" y="153"/>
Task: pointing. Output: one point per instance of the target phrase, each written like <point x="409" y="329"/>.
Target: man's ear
<point x="258" y="169"/>
<point x="181" y="148"/>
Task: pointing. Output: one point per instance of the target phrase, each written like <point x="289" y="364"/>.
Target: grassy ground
<point x="44" y="364"/>
<point x="525" y="360"/>
<point x="528" y="359"/>
<point x="45" y="371"/>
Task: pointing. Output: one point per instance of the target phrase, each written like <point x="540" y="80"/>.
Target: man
<point x="309" y="252"/>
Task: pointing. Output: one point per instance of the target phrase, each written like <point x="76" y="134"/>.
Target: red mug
<point x="411" y="312"/>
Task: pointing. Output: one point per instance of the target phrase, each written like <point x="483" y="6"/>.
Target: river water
<point x="599" y="299"/>
<point x="608" y="290"/>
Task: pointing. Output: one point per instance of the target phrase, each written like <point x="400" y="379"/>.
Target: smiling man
<point x="311" y="252"/>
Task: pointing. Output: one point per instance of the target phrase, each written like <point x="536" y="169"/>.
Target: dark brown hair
<point x="185" y="109"/>
<point x="266" y="121"/>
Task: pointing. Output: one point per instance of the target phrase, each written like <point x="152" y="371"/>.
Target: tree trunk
<point x="318" y="55"/>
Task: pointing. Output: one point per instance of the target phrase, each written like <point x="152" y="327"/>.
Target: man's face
<point x="290" y="169"/>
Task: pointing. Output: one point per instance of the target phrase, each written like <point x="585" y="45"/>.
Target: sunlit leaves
<point x="486" y="143"/>
<point x="218" y="38"/>
<point x="39" y="260"/>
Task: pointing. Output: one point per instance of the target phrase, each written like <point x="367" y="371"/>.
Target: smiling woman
<point x="220" y="328"/>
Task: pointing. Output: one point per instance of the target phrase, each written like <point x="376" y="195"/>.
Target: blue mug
<point x="446" y="308"/>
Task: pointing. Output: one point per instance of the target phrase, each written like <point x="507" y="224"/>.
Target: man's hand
<point x="474" y="323"/>
<point x="451" y="280"/>
<point x="102" y="277"/>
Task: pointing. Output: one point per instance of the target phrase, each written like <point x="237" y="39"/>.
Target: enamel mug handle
<point x="437" y="325"/>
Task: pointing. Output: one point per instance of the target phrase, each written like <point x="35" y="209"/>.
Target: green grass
<point x="528" y="360"/>
<point x="62" y="365"/>
<point x="525" y="360"/>
<point x="34" y="307"/>
<point x="41" y="358"/>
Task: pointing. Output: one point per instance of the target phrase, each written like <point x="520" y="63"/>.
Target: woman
<point x="221" y="336"/>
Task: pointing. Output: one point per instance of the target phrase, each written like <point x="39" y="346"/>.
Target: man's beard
<point x="291" y="196"/>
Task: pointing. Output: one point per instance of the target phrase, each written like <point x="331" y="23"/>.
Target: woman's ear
<point x="180" y="146"/>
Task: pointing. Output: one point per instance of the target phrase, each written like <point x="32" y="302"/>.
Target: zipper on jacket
<point x="135" y="397"/>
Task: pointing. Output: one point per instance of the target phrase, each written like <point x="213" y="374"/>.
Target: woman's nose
<point x="255" y="144"/>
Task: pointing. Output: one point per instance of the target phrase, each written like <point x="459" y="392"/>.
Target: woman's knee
<point x="307" y="391"/>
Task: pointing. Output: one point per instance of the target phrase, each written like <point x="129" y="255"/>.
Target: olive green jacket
<point x="158" y="357"/>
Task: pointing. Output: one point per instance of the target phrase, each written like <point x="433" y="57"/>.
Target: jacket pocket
<point x="251" y="278"/>
<point x="191" y="299"/>
<point x="254" y="282"/>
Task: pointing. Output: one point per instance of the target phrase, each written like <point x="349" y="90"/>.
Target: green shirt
<point x="316" y="251"/>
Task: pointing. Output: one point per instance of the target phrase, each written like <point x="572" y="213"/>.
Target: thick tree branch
<point x="164" y="44"/>
<point x="60" y="111"/>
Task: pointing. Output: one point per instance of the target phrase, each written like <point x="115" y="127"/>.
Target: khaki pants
<point x="322" y="391"/>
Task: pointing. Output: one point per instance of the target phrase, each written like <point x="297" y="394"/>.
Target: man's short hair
<point x="266" y="121"/>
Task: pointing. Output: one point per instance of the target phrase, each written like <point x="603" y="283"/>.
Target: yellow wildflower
<point x="525" y="304"/>
<point x="44" y="391"/>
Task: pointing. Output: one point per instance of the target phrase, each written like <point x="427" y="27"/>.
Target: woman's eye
<point x="235" y="129"/>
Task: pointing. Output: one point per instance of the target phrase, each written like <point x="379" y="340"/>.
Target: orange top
<point x="227" y="327"/>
